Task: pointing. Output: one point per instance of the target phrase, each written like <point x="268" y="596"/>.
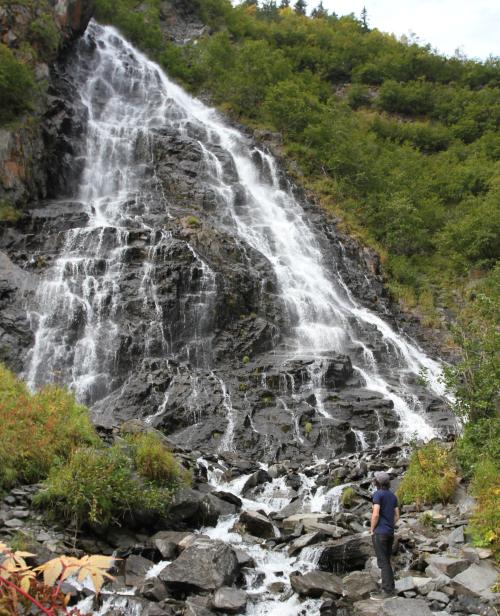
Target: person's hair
<point x="382" y="485"/>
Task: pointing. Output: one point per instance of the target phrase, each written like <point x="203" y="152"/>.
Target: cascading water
<point x="87" y="285"/>
<point x="77" y="314"/>
<point x="128" y="98"/>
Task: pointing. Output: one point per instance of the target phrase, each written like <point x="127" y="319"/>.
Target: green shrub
<point x="348" y="497"/>
<point x="479" y="440"/>
<point x="154" y="462"/>
<point x="308" y="427"/>
<point x="37" y="430"/>
<point x="192" y="221"/>
<point x="99" y="486"/>
<point x="17" y="86"/>
<point x="45" y="35"/>
<point x="246" y="359"/>
<point x="430" y="477"/>
<point x="8" y="213"/>
<point x="427" y="520"/>
<point x="485" y="521"/>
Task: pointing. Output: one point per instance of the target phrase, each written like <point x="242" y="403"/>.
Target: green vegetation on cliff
<point x="48" y="436"/>
<point x="401" y="142"/>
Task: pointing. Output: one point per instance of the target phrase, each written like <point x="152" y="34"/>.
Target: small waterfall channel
<point x="77" y="308"/>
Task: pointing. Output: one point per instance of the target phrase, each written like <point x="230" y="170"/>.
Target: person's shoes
<point x="382" y="595"/>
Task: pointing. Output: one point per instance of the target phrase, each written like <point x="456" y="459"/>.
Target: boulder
<point x="229" y="600"/>
<point x="212" y="508"/>
<point x="184" y="508"/>
<point x="449" y="565"/>
<point x="167" y="542"/>
<point x="327" y="529"/>
<point x="358" y="584"/>
<point x="258" y="524"/>
<point x="291" y="521"/>
<point x="406" y="607"/>
<point x="456" y="536"/>
<point x="392" y="607"/>
<point x="207" y="565"/>
<point x="315" y="583"/>
<point x="301" y="542"/>
<point x="477" y="580"/>
<point x="441" y="597"/>
<point x="136" y="568"/>
<point x="346" y="554"/>
<point x="259" y="477"/>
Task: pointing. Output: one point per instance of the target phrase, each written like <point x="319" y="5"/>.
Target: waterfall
<point x="78" y="340"/>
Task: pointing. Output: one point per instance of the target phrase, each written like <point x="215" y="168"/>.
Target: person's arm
<point x="375" y="517"/>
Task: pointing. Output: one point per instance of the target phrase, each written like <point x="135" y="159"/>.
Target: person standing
<point x="385" y="514"/>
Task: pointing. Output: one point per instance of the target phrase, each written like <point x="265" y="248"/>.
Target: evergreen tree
<point x="269" y="9"/>
<point x="364" y="19"/>
<point x="300" y="7"/>
<point x="284" y="4"/>
<point x="319" y="12"/>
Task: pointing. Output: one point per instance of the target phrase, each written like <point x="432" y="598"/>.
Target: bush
<point x="479" y="440"/>
<point x="430" y="477"/>
<point x="485" y="521"/>
<point x="348" y="497"/>
<point x="17" y="86"/>
<point x="7" y="212"/>
<point x="154" y="462"/>
<point x="45" y="35"/>
<point x="99" y="486"/>
<point x="37" y="430"/>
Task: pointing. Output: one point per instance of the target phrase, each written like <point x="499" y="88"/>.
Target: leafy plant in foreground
<point x="20" y="588"/>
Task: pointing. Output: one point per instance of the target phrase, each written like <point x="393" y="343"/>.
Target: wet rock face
<point x="193" y="333"/>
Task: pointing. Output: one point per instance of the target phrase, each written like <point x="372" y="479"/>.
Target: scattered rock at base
<point x="315" y="583"/>
<point x="230" y="600"/>
<point x="358" y="584"/>
<point x="206" y="565"/>
<point x="258" y="524"/>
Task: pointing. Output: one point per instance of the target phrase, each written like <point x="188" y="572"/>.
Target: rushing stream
<point x="77" y="309"/>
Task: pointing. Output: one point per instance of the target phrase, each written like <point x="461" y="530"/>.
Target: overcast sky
<point x="471" y="25"/>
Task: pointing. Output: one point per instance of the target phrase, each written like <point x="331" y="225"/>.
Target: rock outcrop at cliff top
<point x="28" y="157"/>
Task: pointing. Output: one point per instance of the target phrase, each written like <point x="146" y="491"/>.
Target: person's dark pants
<point x="382" y="545"/>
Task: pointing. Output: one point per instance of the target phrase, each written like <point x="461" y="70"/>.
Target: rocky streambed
<point x="282" y="539"/>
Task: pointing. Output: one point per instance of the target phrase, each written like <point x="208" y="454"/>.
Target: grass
<point x="154" y="462"/>
<point x="8" y="213"/>
<point x="102" y="486"/>
<point x="348" y="497"/>
<point x="37" y="430"/>
<point x="430" y="478"/>
<point x="484" y="523"/>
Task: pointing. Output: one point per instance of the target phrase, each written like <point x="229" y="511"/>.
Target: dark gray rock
<point x="346" y="554"/>
<point x="206" y="565"/>
<point x="136" y="568"/>
<point x="167" y="542"/>
<point x="358" y="584"/>
<point x="477" y="580"/>
<point x="258" y="524"/>
<point x="449" y="565"/>
<point x="229" y="600"/>
<point x="315" y="583"/>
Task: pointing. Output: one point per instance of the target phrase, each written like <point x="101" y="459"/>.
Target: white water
<point x="320" y="308"/>
<point x="127" y="97"/>
<point x="271" y="566"/>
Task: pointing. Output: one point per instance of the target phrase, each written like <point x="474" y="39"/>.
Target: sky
<point x="471" y="26"/>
